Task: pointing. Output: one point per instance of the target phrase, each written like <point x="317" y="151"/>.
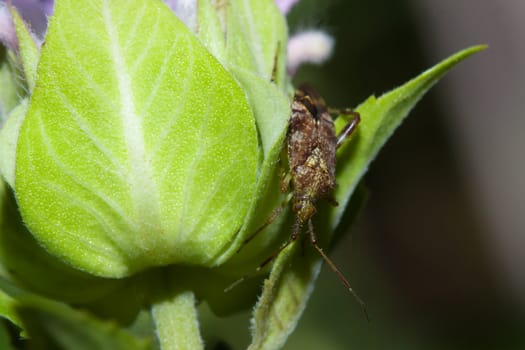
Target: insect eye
<point x="310" y="105"/>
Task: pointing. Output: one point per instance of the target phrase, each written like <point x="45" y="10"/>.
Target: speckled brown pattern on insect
<point x="312" y="145"/>
<point x="311" y="152"/>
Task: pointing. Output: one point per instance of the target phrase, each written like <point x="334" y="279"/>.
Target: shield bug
<point x="311" y="145"/>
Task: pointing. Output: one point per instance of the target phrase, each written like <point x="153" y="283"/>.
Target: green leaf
<point x="210" y="28"/>
<point x="9" y="299"/>
<point x="293" y="274"/>
<point x="26" y="262"/>
<point x="291" y="282"/>
<point x="249" y="38"/>
<point x="29" y="52"/>
<point x="256" y="37"/>
<point x="138" y="148"/>
<point x="284" y="297"/>
<point x="249" y="35"/>
<point x="8" y="139"/>
<point x="271" y="110"/>
<point x="53" y="325"/>
<point x="379" y="118"/>
<point x="10" y="296"/>
<point x="7" y="308"/>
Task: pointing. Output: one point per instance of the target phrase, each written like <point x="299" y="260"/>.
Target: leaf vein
<point x="66" y="171"/>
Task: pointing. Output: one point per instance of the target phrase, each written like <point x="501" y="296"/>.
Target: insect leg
<point x="349" y="128"/>
<point x="285" y="178"/>
<point x="274" y="215"/>
<point x="285" y="181"/>
<point x="334" y="268"/>
<point x="293" y="238"/>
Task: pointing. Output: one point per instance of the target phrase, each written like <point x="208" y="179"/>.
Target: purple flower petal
<point x="185" y="10"/>
<point x="285" y="5"/>
<point x="47" y="6"/>
<point x="35" y="13"/>
<point x="7" y="29"/>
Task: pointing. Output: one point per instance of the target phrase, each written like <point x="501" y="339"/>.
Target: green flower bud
<point x="138" y="149"/>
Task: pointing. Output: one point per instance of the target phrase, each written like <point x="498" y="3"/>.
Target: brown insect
<point x="311" y="146"/>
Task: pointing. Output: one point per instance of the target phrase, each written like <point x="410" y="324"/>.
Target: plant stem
<point x="176" y="322"/>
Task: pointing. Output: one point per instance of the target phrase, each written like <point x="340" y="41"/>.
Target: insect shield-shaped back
<point x="311" y="151"/>
<point x="312" y="145"/>
<point x="133" y="156"/>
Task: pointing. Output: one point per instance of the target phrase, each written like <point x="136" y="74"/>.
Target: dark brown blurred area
<point x="438" y="253"/>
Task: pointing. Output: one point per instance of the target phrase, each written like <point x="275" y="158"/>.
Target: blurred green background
<point x="438" y="254"/>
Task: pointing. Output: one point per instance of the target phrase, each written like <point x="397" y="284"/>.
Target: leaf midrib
<point x="143" y="189"/>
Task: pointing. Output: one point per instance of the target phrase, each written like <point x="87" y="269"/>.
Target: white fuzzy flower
<point x="311" y="46"/>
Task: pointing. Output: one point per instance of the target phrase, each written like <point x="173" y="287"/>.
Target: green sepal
<point x="26" y="263"/>
<point x="9" y="91"/>
<point x="271" y="109"/>
<point x="246" y="34"/>
<point x="254" y="52"/>
<point x="8" y="140"/>
<point x="139" y="149"/>
<point x="8" y="307"/>
<point x="28" y="50"/>
<point x="284" y="297"/>
<point x="53" y="325"/>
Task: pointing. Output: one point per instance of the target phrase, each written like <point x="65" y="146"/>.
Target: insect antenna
<point x="334" y="268"/>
